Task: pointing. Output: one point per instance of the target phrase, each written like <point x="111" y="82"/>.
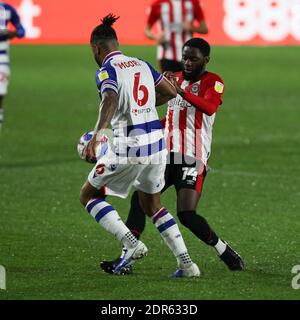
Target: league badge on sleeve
<point x="219" y="87"/>
<point x="103" y="75"/>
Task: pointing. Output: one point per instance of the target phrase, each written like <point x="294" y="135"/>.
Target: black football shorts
<point x="184" y="173"/>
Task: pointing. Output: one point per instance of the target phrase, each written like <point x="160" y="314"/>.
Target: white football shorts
<point x="118" y="178"/>
<point x="4" y="78"/>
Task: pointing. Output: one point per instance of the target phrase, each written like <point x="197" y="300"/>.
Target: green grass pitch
<point x="51" y="248"/>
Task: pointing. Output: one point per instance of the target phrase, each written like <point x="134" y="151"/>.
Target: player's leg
<point x="92" y="197"/>
<point x="187" y="201"/>
<point x="103" y="212"/>
<point x="169" y="231"/>
<point x="1" y="111"/>
<point x="4" y="78"/>
<point x="136" y="222"/>
<point x="149" y="185"/>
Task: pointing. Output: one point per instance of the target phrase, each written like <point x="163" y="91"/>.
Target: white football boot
<point x="130" y="254"/>
<point x="191" y="271"/>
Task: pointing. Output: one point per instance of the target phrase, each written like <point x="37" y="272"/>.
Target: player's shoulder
<point x="8" y="7"/>
<point x="210" y="79"/>
<point x="100" y="75"/>
<point x="108" y="67"/>
<point x="157" y="3"/>
<point x="104" y="72"/>
<point x="211" y="76"/>
<point x="145" y="62"/>
<point x="108" y="63"/>
<point x="142" y="62"/>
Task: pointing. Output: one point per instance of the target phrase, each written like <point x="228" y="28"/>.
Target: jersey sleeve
<point x="157" y="77"/>
<point x="15" y="20"/>
<point x="198" y="12"/>
<point x="215" y="89"/>
<point x="153" y="12"/>
<point x="211" y="97"/>
<point x="106" y="79"/>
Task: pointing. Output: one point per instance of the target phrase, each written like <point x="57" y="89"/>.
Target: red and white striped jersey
<point x="187" y="129"/>
<point x="170" y="15"/>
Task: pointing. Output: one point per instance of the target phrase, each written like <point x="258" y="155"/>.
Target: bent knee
<point x="148" y="208"/>
<point x="83" y="197"/>
<point x="88" y="192"/>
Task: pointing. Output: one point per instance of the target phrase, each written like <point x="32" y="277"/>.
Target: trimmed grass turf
<point x="51" y="248"/>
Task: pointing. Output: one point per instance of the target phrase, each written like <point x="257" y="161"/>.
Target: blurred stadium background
<point x="50" y="247"/>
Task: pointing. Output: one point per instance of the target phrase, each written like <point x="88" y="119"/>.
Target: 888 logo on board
<point x="271" y="20"/>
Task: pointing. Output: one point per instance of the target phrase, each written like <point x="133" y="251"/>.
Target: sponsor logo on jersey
<point x="103" y="75"/>
<point x="178" y="102"/>
<point x="137" y="112"/>
<point x="219" y="87"/>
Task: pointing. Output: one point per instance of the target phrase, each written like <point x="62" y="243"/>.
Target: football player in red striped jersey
<point x="177" y="21"/>
<point x="188" y="132"/>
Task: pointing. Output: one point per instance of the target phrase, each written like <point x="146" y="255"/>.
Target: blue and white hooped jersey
<point x="8" y="15"/>
<point x="136" y="127"/>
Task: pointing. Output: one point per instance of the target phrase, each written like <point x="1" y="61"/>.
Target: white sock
<point x="110" y="220"/>
<point x="168" y="228"/>
<point x="220" y="247"/>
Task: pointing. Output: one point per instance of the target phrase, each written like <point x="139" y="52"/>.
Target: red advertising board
<point x="231" y="22"/>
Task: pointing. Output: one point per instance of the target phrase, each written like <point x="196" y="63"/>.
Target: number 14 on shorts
<point x="189" y="172"/>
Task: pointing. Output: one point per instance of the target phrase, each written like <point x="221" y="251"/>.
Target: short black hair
<point x="104" y="31"/>
<point x="200" y="44"/>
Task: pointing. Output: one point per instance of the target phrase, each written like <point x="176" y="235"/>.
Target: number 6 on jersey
<point x="137" y="88"/>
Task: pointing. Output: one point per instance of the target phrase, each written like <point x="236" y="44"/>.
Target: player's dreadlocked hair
<point x="200" y="44"/>
<point x="104" y="31"/>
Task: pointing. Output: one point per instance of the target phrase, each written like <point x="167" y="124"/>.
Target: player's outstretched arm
<point x="165" y="91"/>
<point x="108" y="106"/>
<point x="159" y="38"/>
<point x="208" y="105"/>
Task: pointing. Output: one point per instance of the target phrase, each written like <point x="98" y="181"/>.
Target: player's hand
<point x="169" y="75"/>
<point x="161" y="39"/>
<point x="91" y="147"/>
<point x="178" y="88"/>
<point x="187" y="26"/>
<point x="173" y="79"/>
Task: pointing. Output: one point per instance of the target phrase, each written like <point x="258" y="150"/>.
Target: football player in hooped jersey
<point x="138" y="153"/>
<point x="188" y="128"/>
<point x="7" y="15"/>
